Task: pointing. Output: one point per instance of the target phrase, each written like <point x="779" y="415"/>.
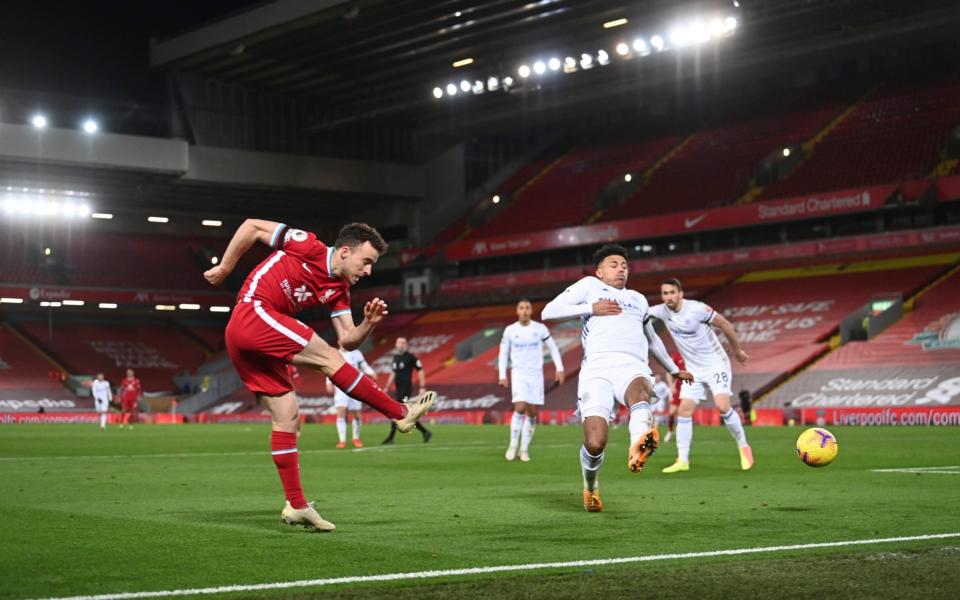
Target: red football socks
<point x="354" y="384"/>
<point x="283" y="446"/>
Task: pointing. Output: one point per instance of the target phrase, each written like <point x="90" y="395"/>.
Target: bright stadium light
<point x="73" y="302"/>
<point x="679" y="36"/>
<point x="493" y="84"/>
<point x="109" y="305"/>
<point x="622" y="49"/>
<point x="214" y="260"/>
<point x="717" y="27"/>
<point x="463" y="62"/>
<point x="507" y="82"/>
<point x="451" y="89"/>
<point x="614" y="23"/>
<point x="7" y="300"/>
<point x="731" y="23"/>
<point x="569" y="64"/>
<point x="657" y="43"/>
<point x="102" y="215"/>
<point x="211" y="223"/>
<point x="539" y="67"/>
<point x="220" y="309"/>
<point x="189" y="306"/>
<point x="83" y="210"/>
<point x="554" y="64"/>
<point x="465" y="86"/>
<point x="699" y="33"/>
<point x="603" y="58"/>
<point x="786" y="152"/>
<point x="639" y="45"/>
<point x="437" y="93"/>
<point x="158" y="219"/>
<point x="495" y="199"/>
<point x="39" y="121"/>
<point x="628" y="177"/>
<point x="90" y="126"/>
<point x="478" y="87"/>
<point x="523" y="71"/>
<point x="586" y="61"/>
<point x="165" y="307"/>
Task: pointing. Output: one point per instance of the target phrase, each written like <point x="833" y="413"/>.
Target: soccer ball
<point x="817" y="447"/>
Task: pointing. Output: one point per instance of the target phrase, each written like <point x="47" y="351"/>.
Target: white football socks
<point x="684" y="437"/>
<point x="516" y="426"/>
<point x="641" y="419"/>
<point x="591" y="468"/>
<point x="356" y="427"/>
<point x="526" y="433"/>
<point x="731" y="419"/>
<point x="342" y="428"/>
<point x="103" y="420"/>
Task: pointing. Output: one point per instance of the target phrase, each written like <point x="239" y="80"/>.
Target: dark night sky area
<point x="98" y="48"/>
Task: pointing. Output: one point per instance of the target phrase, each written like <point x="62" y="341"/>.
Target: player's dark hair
<point x="527" y="300"/>
<point x="672" y="281"/>
<point x="355" y="234"/>
<point x="608" y="250"/>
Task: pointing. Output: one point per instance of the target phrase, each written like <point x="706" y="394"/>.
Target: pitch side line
<point x="949" y="470"/>
<point x="496" y="569"/>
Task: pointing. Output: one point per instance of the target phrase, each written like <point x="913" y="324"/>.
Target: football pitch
<point x="193" y="511"/>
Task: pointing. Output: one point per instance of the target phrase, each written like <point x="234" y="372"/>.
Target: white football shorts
<point x="717" y="380"/>
<point x="341" y="400"/>
<point x="527" y="386"/>
<point x="604" y="379"/>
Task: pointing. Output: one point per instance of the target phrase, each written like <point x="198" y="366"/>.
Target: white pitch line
<point x="933" y="470"/>
<point x="495" y="569"/>
<point x="392" y="448"/>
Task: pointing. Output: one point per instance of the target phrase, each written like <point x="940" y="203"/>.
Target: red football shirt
<point x="130" y="388"/>
<point x="296" y="276"/>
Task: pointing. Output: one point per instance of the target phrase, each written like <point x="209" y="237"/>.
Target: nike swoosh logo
<point x="306" y="267"/>
<point x="688" y="223"/>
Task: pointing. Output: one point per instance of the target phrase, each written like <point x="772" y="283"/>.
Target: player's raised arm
<point x="366" y="368"/>
<point x="573" y="303"/>
<point x="249" y="232"/>
<point x="727" y="328"/>
<point x="660" y="353"/>
<point x="351" y="336"/>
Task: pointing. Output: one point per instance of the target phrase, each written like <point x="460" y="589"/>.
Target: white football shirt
<point x="621" y="333"/>
<point x="523" y="346"/>
<point x="101" y="389"/>
<point x="695" y="338"/>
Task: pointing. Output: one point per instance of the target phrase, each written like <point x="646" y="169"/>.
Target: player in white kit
<point x="102" y="397"/>
<point x="616" y="340"/>
<point x="522" y="343"/>
<point x="347" y="407"/>
<point x="691" y="324"/>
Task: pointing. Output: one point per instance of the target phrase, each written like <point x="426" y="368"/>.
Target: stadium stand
<point x="785" y="318"/>
<point x="156" y="352"/>
<point x="23" y="369"/>
<point x="576" y="177"/>
<point x="895" y="135"/>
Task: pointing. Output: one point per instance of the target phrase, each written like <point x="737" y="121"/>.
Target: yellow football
<point x="817" y="447"/>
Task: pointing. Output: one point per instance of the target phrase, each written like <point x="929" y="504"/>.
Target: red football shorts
<point x="261" y="341"/>
<point x="128" y="404"/>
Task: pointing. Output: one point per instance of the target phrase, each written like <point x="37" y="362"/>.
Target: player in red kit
<point x="675" y="401"/>
<point x="263" y="337"/>
<point x="130" y="392"/>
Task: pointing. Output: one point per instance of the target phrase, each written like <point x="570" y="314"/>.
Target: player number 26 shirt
<point x="296" y="276"/>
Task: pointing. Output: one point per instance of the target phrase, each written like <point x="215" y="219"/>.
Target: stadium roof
<point x="367" y="58"/>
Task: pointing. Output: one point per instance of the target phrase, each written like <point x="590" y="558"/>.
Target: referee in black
<point x="404" y="364"/>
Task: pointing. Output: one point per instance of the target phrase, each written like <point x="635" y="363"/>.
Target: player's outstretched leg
<point x="644" y="438"/>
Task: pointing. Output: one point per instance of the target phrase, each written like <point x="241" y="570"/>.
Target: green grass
<point x="162" y="508"/>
